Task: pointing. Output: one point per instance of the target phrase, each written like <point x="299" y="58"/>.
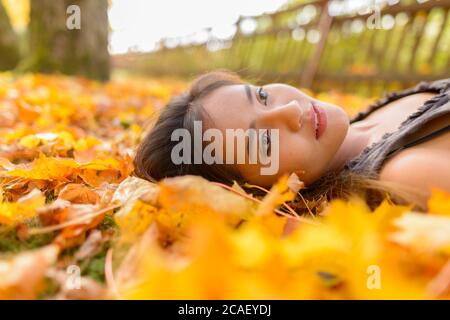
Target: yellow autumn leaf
<point x="188" y="194"/>
<point x="439" y="202"/>
<point x="424" y="233"/>
<point x="25" y="208"/>
<point x="45" y="168"/>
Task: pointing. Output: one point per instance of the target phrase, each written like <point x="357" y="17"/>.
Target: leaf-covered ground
<point x="76" y="224"/>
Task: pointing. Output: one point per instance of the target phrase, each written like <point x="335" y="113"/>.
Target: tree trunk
<point x="53" y="47"/>
<point x="9" y="49"/>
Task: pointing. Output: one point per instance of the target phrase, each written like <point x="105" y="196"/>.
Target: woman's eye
<point x="262" y="95"/>
<point x="265" y="143"/>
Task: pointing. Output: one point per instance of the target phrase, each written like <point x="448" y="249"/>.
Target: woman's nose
<point x="289" y="114"/>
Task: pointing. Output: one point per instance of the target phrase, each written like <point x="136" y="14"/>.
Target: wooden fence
<point x="314" y="45"/>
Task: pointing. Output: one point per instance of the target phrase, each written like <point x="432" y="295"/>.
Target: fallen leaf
<point x="424" y="233"/>
<point x="22" y="277"/>
<point x="78" y="193"/>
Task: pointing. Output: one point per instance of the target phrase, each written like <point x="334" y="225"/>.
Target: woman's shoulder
<point x="436" y="86"/>
<point x="421" y="167"/>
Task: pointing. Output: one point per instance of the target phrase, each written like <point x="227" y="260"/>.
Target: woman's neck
<point x="359" y="136"/>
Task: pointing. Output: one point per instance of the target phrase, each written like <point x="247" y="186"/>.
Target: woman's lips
<point x="318" y="120"/>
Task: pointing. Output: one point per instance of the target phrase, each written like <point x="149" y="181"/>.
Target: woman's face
<point x="306" y="144"/>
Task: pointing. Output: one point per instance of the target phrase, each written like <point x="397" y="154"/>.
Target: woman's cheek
<point x="292" y="159"/>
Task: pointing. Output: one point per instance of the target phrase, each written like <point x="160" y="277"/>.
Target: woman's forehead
<point x="226" y="95"/>
<point x="226" y="106"/>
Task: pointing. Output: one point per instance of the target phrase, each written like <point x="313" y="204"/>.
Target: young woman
<point x="399" y="146"/>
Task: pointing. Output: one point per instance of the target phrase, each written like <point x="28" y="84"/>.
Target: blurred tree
<point x="57" y="45"/>
<point x="9" y="50"/>
<point x="19" y="14"/>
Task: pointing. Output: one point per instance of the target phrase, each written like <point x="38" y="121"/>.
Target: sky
<point x="139" y="24"/>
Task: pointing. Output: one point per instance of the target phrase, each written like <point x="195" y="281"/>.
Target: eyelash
<point x="259" y="91"/>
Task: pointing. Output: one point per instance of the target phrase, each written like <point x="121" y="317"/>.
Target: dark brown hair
<point x="153" y="158"/>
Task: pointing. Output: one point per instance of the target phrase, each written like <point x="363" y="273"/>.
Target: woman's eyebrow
<point x="249" y="94"/>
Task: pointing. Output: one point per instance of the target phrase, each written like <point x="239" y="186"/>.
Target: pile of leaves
<point x="76" y="224"/>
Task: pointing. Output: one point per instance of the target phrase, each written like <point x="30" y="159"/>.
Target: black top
<point x="372" y="157"/>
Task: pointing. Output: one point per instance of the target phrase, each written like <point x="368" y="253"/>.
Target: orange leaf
<point x="78" y="193"/>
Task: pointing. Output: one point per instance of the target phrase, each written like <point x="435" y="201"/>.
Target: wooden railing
<point x="313" y="45"/>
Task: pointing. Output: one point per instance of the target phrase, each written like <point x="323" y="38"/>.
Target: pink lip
<point x="322" y="120"/>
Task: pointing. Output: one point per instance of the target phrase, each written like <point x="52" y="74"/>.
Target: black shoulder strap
<point x="420" y="140"/>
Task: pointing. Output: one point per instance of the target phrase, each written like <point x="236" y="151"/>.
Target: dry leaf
<point x="424" y="233"/>
<point x="294" y="183"/>
<point x="78" y="193"/>
<point x="91" y="246"/>
<point x="22" y="277"/>
<point x="84" y="289"/>
<point x="196" y="193"/>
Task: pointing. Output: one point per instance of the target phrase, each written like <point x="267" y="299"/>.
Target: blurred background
<point x="364" y="47"/>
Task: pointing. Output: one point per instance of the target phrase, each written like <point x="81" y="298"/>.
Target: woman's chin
<point x="341" y="120"/>
<point x="337" y="122"/>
